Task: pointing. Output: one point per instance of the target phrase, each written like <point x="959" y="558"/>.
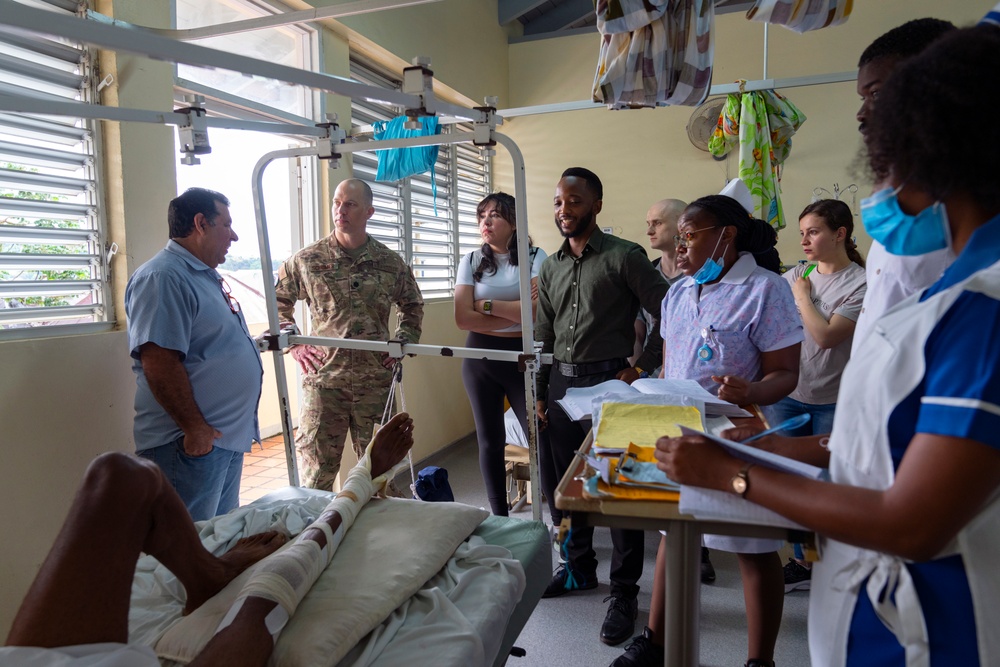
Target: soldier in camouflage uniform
<point x="350" y="282"/>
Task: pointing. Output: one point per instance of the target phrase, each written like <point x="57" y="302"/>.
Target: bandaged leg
<point x="286" y="577"/>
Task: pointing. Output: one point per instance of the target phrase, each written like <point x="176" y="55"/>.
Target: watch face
<point x="739" y="485"/>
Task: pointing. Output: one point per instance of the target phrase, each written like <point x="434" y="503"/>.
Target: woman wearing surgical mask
<point x="731" y="325"/>
<point x="910" y="521"/>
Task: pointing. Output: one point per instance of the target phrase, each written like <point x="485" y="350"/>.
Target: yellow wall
<point x="644" y="155"/>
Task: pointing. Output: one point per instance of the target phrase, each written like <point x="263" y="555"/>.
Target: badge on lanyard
<point x="705" y="352"/>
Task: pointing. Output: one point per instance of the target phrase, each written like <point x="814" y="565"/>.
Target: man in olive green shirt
<point x="589" y="293"/>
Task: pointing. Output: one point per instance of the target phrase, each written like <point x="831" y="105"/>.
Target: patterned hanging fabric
<point x="761" y="124"/>
<point x="801" y="15"/>
<point x="654" y="52"/>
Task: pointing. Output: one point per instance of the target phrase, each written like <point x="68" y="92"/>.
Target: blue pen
<point x="788" y="424"/>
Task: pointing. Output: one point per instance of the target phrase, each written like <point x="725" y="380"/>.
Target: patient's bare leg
<point x="124" y="506"/>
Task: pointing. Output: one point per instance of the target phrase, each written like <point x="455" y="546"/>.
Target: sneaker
<point x="797" y="576"/>
<point x="707" y="571"/>
<point x="619" y="624"/>
<point x="564" y="581"/>
<point x="641" y="652"/>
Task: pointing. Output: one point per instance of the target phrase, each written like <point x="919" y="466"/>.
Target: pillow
<point x="394" y="546"/>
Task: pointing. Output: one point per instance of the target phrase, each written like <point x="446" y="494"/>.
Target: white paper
<point x="712" y="505"/>
<point x="709" y="504"/>
<point x="754" y="455"/>
<point x="578" y="401"/>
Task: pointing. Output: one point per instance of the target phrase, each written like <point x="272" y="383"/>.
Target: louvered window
<point x="53" y="256"/>
<point x="430" y="232"/>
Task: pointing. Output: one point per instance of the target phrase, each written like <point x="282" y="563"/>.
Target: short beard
<point x="584" y="225"/>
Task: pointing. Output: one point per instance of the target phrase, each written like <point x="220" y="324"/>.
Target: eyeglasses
<point x="682" y="240"/>
<point x="227" y="292"/>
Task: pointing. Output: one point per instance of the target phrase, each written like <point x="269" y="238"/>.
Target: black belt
<point x="579" y="370"/>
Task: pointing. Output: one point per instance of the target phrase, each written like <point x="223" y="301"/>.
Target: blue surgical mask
<point x="904" y="234"/>
<point x="712" y="268"/>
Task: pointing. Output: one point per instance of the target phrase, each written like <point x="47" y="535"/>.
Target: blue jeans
<point x="821" y="422"/>
<point x="821" y="416"/>
<point x="208" y="485"/>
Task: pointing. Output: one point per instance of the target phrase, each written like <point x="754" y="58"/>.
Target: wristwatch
<point x="488" y="307"/>
<point x="741" y="481"/>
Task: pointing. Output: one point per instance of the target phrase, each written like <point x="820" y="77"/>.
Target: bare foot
<point x="391" y="443"/>
<point x="244" y="553"/>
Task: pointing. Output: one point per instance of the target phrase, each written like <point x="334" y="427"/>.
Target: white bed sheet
<point x="455" y="617"/>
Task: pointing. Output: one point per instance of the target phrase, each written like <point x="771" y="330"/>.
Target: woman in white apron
<point x="910" y="526"/>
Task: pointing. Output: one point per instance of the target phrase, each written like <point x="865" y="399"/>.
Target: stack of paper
<point x="579" y="401"/>
<point x="623" y="449"/>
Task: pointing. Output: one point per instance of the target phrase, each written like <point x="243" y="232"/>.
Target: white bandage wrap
<point x="285" y="577"/>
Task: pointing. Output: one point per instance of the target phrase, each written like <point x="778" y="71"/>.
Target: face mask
<point x="903" y="234"/>
<point x="712" y="268"/>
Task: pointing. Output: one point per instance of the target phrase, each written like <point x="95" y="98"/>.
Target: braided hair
<point x="752" y="235"/>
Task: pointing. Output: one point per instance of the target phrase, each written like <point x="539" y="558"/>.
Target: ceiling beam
<point x="560" y="18"/>
<point x="509" y="11"/>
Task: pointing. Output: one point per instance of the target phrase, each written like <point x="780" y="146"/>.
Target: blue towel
<point x="395" y="164"/>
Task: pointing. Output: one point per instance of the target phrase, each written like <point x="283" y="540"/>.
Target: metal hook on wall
<point x="838" y="192"/>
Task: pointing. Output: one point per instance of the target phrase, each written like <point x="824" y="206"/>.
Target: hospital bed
<point x="411" y="579"/>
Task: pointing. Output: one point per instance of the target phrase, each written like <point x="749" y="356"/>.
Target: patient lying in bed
<point x="78" y="604"/>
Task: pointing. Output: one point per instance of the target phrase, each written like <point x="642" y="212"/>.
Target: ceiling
<point x="542" y="19"/>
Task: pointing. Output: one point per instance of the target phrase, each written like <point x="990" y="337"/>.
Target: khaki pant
<point x="327" y="416"/>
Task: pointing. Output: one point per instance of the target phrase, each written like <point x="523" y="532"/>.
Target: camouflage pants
<point x="326" y="417"/>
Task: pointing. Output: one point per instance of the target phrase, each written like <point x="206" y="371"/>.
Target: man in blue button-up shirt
<point x="197" y="368"/>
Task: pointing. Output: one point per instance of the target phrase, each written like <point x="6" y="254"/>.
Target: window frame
<point x="90" y="184"/>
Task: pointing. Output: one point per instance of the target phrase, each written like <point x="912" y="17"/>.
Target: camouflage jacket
<point x="350" y="298"/>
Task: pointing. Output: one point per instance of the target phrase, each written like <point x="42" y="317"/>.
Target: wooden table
<point x="683" y="540"/>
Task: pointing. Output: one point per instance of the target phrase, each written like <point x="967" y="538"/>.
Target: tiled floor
<point x="264" y="470"/>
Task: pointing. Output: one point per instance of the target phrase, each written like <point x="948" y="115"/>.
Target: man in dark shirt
<point x="589" y="293"/>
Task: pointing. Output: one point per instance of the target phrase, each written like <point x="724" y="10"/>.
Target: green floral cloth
<point x="761" y="124"/>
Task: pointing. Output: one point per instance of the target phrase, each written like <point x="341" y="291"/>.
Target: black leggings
<point x="487" y="383"/>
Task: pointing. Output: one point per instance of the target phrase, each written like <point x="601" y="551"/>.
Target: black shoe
<point x="707" y="571"/>
<point x="619" y="624"/>
<point x="564" y="581"/>
<point x="642" y="652"/>
<point x="759" y="663"/>
<point x="797" y="576"/>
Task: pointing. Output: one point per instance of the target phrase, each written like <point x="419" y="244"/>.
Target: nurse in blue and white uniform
<point x="910" y="525"/>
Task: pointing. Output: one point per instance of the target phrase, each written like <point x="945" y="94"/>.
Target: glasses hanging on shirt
<point x="227" y="292"/>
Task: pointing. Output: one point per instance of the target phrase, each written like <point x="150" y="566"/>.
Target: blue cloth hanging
<point x="395" y="164"/>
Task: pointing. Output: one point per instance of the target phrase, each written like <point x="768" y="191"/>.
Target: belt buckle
<point x="567" y="370"/>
